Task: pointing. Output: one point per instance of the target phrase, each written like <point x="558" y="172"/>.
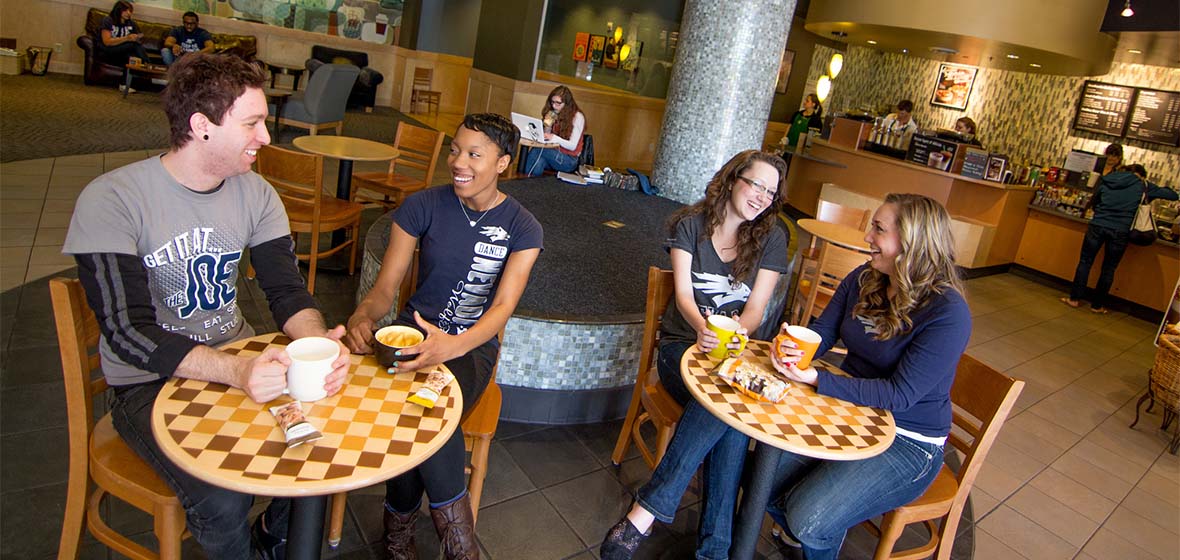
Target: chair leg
<point x="340" y="129"/>
<point x="891" y="530"/>
<point x="479" y="470"/>
<point x="624" y="440"/>
<point x="169" y="529"/>
<point x="75" y="514"/>
<point x="314" y="252"/>
<point x="336" y="519"/>
<point x="1139" y="405"/>
<point x="663" y="438"/>
<point x="356" y="232"/>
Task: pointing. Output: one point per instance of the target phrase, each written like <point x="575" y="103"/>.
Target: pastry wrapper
<point x="430" y="391"/>
<point x="294" y="424"/>
<point x="753" y="381"/>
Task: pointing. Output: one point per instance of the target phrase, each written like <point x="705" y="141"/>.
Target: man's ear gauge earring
<point x="206" y="137"/>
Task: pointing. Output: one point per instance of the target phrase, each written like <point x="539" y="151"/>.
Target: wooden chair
<point x="479" y="427"/>
<point x="650" y="401"/>
<point x="418" y="148"/>
<point x="982" y="399"/>
<point x="420" y="91"/>
<point x="97" y="453"/>
<point x="837" y="214"/>
<point x="298" y="178"/>
<point x="816" y="286"/>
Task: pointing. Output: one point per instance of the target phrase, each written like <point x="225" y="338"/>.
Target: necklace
<point x="463" y="207"/>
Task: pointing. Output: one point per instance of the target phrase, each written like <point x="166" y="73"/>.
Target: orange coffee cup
<point x="806" y="339"/>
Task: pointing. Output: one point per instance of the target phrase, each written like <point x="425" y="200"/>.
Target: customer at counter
<point x="1115" y="200"/>
<point x="810" y="116"/>
<point x="901" y="121"/>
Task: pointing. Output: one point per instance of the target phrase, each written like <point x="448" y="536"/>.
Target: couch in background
<point x="95" y="71"/>
<point x="364" y="91"/>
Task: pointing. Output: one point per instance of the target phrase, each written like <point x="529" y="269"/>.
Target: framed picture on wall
<point x="597" y="44"/>
<point x="581" y="45"/>
<point x="784" y="70"/>
<point x="953" y="86"/>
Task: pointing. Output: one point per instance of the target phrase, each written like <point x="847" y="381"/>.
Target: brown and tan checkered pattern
<point x="804" y="422"/>
<point x="370" y="432"/>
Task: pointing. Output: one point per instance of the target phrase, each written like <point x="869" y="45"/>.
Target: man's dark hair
<point x="497" y="127"/>
<point x="1114" y="150"/>
<point x="905" y="105"/>
<point x="192" y="15"/>
<point x="205" y="83"/>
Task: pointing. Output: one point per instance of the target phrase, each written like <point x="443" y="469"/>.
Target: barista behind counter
<point x="901" y="122"/>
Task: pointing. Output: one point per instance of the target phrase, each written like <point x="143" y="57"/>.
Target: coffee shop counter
<point x="989" y="216"/>
<point x="1052" y="242"/>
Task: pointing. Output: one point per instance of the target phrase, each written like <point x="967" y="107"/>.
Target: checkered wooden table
<point x="370" y="432"/>
<point x="805" y="422"/>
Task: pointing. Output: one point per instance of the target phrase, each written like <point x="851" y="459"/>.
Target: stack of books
<point x="592" y="174"/>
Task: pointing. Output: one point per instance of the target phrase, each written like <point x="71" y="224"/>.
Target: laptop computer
<point x="531" y="128"/>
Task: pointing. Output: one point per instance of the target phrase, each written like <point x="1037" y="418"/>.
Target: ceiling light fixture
<point x="905" y="51"/>
<point x="1134" y="51"/>
<point x="835" y="65"/>
<point x="1127" y="11"/>
<point x="1034" y="65"/>
<point x="872" y="42"/>
<point x="1013" y="56"/>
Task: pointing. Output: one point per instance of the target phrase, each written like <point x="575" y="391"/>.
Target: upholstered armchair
<point x="364" y="91"/>
<point x="321" y="105"/>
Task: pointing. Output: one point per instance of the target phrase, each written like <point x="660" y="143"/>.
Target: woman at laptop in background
<point x="564" y="124"/>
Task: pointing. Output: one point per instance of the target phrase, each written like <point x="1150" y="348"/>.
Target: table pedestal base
<point x="754" y="499"/>
<point x="305" y="530"/>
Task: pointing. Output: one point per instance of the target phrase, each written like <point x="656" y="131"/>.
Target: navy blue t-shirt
<point x="191" y="42"/>
<point x="909" y="374"/>
<point x="459" y="265"/>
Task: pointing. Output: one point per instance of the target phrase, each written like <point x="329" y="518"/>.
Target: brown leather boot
<point x="399" y="535"/>
<point x="456" y="529"/>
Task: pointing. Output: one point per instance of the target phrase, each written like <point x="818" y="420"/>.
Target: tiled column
<point x="722" y="84"/>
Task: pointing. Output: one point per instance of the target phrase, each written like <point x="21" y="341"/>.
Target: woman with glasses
<point x="728" y="252"/>
<point x="564" y="124"/>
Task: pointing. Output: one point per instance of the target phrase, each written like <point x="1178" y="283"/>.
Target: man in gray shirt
<point x="159" y="244"/>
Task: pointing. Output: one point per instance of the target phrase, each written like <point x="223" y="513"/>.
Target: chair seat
<point x="123" y="473"/>
<point x="333" y="212"/>
<point x="485" y="415"/>
<point x="660" y="405"/>
<point x="937" y="499"/>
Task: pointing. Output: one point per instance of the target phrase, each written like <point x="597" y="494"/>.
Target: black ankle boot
<point x="455" y="525"/>
<point x="621" y="541"/>
<point x="399" y="535"/>
<point x="267" y="546"/>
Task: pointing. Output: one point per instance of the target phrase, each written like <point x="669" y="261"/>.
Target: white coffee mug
<point x="311" y="362"/>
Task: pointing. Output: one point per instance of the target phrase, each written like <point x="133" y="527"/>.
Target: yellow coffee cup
<point x="807" y="340"/>
<point x="726" y="328"/>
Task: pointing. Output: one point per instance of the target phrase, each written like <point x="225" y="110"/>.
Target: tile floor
<point x="1067" y="478"/>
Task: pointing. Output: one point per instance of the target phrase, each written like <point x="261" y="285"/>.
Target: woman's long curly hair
<point x="564" y="123"/>
<point x="751" y="235"/>
<point x="924" y="268"/>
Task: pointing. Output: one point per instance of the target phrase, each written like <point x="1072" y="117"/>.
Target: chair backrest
<point x="296" y="175"/>
<point x="660" y="288"/>
<point x="982" y="399"/>
<point x="423" y="76"/>
<point x="838" y="214"/>
<point x="77" y="333"/>
<point x="832" y="265"/>
<point x="327" y="91"/>
<point x="418" y="148"/>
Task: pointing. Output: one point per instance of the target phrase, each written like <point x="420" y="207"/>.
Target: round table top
<point x="535" y="144"/>
<point x="839" y="234"/>
<point x="370" y="432"/>
<point x="805" y="422"/>
<point x="346" y="147"/>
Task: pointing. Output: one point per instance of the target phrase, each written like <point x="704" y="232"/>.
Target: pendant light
<point x="823" y="87"/>
<point x="1127" y="11"/>
<point x="835" y="65"/>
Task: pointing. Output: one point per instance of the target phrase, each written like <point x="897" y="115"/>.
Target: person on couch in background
<point x="565" y="124"/>
<point x="120" y="37"/>
<point x="187" y="38"/>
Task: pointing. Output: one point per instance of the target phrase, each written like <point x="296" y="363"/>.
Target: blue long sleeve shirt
<point x="909" y="374"/>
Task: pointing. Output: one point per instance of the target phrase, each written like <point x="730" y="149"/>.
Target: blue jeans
<point x="215" y="516"/>
<point x="1096" y="238"/>
<point x="700" y="438"/>
<point x="817" y="501"/>
<point x="168" y="57"/>
<point x="538" y="160"/>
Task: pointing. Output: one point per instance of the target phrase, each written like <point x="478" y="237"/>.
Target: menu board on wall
<point x="1155" y="117"/>
<point x="1103" y="108"/>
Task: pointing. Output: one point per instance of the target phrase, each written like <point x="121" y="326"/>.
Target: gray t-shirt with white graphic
<point x="190" y="243"/>
<point x="713" y="286"/>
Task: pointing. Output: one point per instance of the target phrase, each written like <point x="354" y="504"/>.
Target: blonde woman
<point x="905" y="323"/>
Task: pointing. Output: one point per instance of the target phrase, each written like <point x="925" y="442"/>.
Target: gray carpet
<point x="57" y="115"/>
